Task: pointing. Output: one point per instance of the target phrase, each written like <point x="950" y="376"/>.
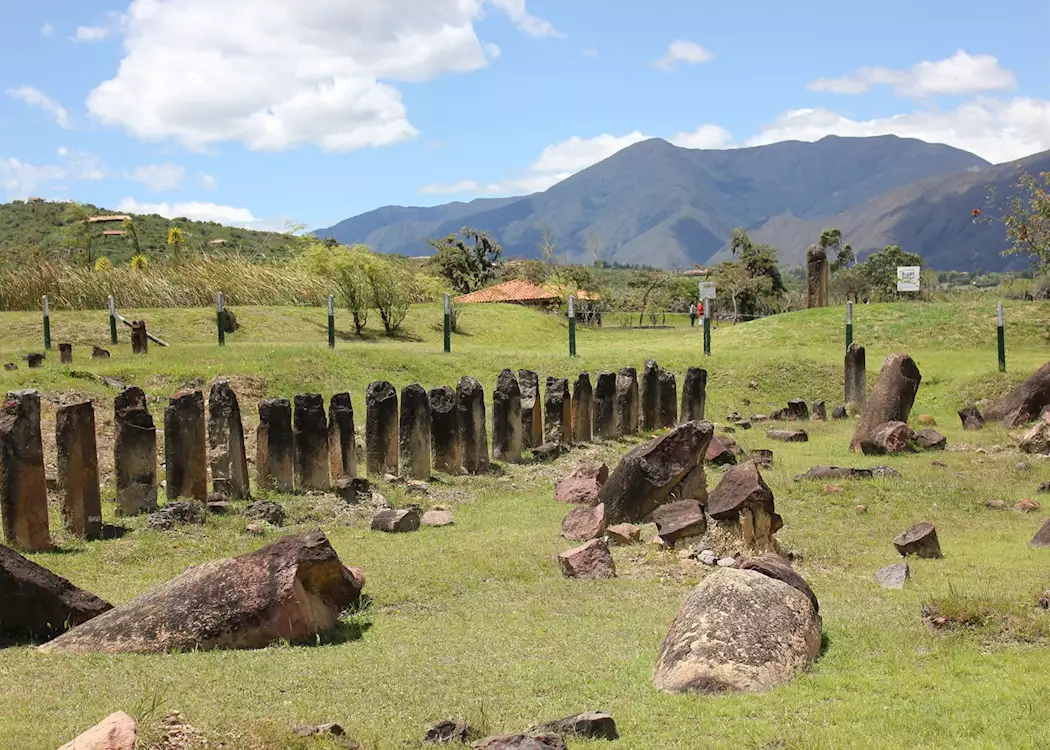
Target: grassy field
<point x="476" y="621"/>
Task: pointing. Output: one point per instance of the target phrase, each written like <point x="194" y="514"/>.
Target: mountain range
<point x="658" y="204"/>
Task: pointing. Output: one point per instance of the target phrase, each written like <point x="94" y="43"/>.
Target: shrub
<point x="103" y="264"/>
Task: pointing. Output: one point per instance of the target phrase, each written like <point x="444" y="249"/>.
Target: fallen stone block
<point x="396" y="521"/>
<point x="893" y="576"/>
<point x="582" y="485"/>
<point x="920" y="540"/>
<point x="588" y="561"/>
<point x="585" y="523"/>
<point x="118" y="731"/>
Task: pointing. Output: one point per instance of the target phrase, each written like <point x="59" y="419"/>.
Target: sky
<point x="273" y="113"/>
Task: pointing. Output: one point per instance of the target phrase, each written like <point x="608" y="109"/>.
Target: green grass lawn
<point x="476" y="621"/>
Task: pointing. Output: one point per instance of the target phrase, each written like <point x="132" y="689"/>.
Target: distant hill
<point x="42" y="224"/>
<point x="932" y="217"/>
<point x="658" y="204"/>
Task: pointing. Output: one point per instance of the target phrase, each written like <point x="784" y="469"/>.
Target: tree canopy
<point x="468" y="261"/>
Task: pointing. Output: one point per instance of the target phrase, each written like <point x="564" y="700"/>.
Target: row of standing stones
<point x="300" y="448"/>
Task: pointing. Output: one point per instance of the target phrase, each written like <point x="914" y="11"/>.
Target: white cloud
<point x="47" y="30"/>
<point x="20" y="179"/>
<point x="591" y="53"/>
<point x="196" y="210"/>
<point x="207" y="182"/>
<point x="704" y="137"/>
<point x="36" y="98"/>
<point x="159" y="177"/>
<point x="957" y="75"/>
<point x="62" y="151"/>
<point x="115" y="22"/>
<point x="681" y="51"/>
<point x="997" y="130"/>
<point x="81" y="165"/>
<point x="285" y="73"/>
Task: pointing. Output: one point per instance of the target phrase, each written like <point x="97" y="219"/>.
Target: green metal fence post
<point x="331" y="322"/>
<point x="572" y="326"/>
<point x="1002" y="337"/>
<point x="47" y="323"/>
<point x="448" y="323"/>
<point x="219" y="321"/>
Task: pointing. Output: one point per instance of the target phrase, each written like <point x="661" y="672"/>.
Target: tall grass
<point x="191" y="283"/>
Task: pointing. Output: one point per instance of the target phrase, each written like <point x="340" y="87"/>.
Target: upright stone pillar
<point x="816" y="277"/>
<point x="444" y="430"/>
<point x="23" y="487"/>
<point x="65" y="354"/>
<point x="381" y="431"/>
<point x="605" y="410"/>
<point x="414" y="431"/>
<point x="582" y="399"/>
<point x="531" y="409"/>
<point x="650" y="396"/>
<point x="668" y="387"/>
<point x="627" y="402"/>
<point x="506" y="419"/>
<point x="310" y="433"/>
<point x="557" y="407"/>
<point x="134" y="453"/>
<point x="185" y="451"/>
<point x="139" y="339"/>
<point x="78" y="470"/>
<point x="342" y="444"/>
<point x="275" y="446"/>
<point x="856" y="376"/>
<point x="473" y="430"/>
<point x="694" y="395"/>
<point x="229" y="460"/>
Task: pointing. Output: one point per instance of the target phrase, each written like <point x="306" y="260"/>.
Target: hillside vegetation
<point x="29" y="229"/>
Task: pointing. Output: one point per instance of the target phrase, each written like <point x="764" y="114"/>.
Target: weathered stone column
<point x="275" y="446"/>
<point x="23" y="487"/>
<point x="694" y="395"/>
<point x="414" y="432"/>
<point x="506" y="419"/>
<point x="229" y="460"/>
<point x="856" y="376"/>
<point x="134" y="453"/>
<point x="65" y="354"/>
<point x="650" y="396"/>
<point x="139" y="339"/>
<point x="78" y="470"/>
<point x="627" y="402"/>
<point x="816" y="277"/>
<point x="668" y="415"/>
<point x="473" y="429"/>
<point x="185" y="451"/>
<point x="582" y="405"/>
<point x="310" y="433"/>
<point x="557" y="407"/>
<point x="531" y="409"/>
<point x="605" y="406"/>
<point x="342" y="445"/>
<point x="381" y="431"/>
<point x="444" y="430"/>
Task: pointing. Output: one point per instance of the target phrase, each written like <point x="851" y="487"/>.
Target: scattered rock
<point x="266" y="510"/>
<point x="10" y="366"/>
<point x="739" y="630"/>
<point x="1044" y="487"/>
<point x="588" y="561"/>
<point x="727" y="562"/>
<point x="890" y="401"/>
<point x="860" y="509"/>
<point x="741" y="486"/>
<point x="1025" y="402"/>
<point x="893" y="576"/>
<point x="35" y="360"/>
<point x="548" y="741"/>
<point x="1036" y="440"/>
<point x="1023" y="466"/>
<point x="889" y="438"/>
<point x="1027" y="505"/>
<point x="840" y="472"/>
<point x="292" y="589"/>
<point x="1042" y="537"/>
<point x="820" y="411"/>
<point x="318" y="730"/>
<point x="971" y="418"/>
<point x="396" y="521"/>
<point x="118" y="731"/>
<point x="417" y="487"/>
<point x="931" y="440"/>
<point x="449" y="731"/>
<point x="437" y="518"/>
<point x="839" y="412"/>
<point x="994" y="504"/>
<point x="777" y="567"/>
<point x="624" y="533"/>
<point x="256" y="528"/>
<point x="788" y="436"/>
<point x="718" y="453"/>
<point x="548" y="451"/>
<point x="176" y="514"/>
<point x="680" y="520"/>
<point x="592" y="725"/>
<point x="581" y="485"/>
<point x="220" y="507"/>
<point x="833" y="489"/>
<point x="585" y="523"/>
<point x="762" y="457"/>
<point x="98" y="352"/>
<point x="707" y="557"/>
<point x="920" y="540"/>
<point x="927" y="420"/>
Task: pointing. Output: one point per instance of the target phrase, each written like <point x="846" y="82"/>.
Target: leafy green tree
<point x="131" y="234"/>
<point x="467" y="262"/>
<point x="535" y="271"/>
<point x="350" y="270"/>
<point x="831" y="243"/>
<point x="1027" y="221"/>
<point x="880" y="269"/>
<point x="735" y="281"/>
<point x="850" y="284"/>
<point x="393" y="291"/>
<point x="739" y="241"/>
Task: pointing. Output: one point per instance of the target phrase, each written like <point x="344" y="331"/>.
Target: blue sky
<point x="259" y="112"/>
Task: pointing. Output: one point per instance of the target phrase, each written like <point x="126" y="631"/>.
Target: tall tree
<point x="880" y="269"/>
<point x="739" y="242"/>
<point x="840" y="256"/>
<point x="131" y="235"/>
<point x="77" y="234"/>
<point x="548" y="247"/>
<point x="1027" y="219"/>
<point x="594" y="247"/>
<point x="468" y="261"/>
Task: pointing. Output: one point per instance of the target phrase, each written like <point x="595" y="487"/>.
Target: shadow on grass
<point x="368" y="336"/>
<point x="351" y="626"/>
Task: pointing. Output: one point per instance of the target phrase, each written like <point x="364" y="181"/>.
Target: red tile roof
<point x="110" y="232"/>
<point x="94" y="219"/>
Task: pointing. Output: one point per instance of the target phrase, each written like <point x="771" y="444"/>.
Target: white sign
<point x="907" y="278"/>
<point x="707" y="289"/>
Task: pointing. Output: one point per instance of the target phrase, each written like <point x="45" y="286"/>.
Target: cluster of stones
<point x="139" y="345"/>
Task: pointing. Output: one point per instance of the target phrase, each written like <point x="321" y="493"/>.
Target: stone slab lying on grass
<point x="547" y="741"/>
<point x="788" y="436"/>
<point x="893" y="576"/>
<point x="931" y="440"/>
<point x="437" y="518"/>
<point x="887" y="439"/>
<point x="1025" y="402"/>
<point x="680" y="520"/>
<point x="740" y="486"/>
<point x="971" y="418"/>
<point x="588" y="561"/>
<point x="624" y="533"/>
<point x="396" y="521"/>
<point x="449" y="731"/>
<point x="118" y="731"/>
<point x="841" y="472"/>
<point x="718" y="453"/>
<point x="292" y="589"/>
<point x="593" y="725"/>
<point x="920" y="540"/>
<point x="584" y="524"/>
<point x="1041" y="539"/>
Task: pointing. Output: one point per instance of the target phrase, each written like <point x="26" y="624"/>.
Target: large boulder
<point x="779" y="568"/>
<point x="741" y="486"/>
<point x="739" y="630"/>
<point x="1024" y="403"/>
<point x="541" y="741"/>
<point x="891" y="399"/>
<point x="37" y="604"/>
<point x="118" y="731"/>
<point x="679" y="520"/>
<point x="582" y="485"/>
<point x="887" y="439"/>
<point x="647" y="475"/>
<point x="291" y="589"/>
<point x="1036" y="440"/>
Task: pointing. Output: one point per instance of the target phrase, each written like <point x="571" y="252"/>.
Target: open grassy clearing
<point x="477" y="621"/>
